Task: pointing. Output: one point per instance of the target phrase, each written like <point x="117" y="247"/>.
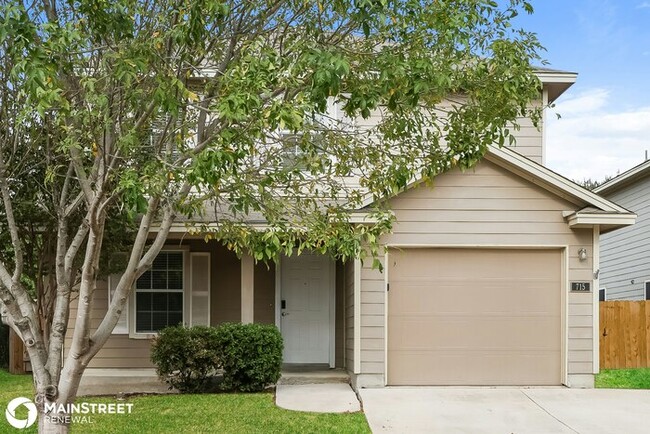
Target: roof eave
<point x="606" y="221"/>
<point x="550" y="178"/>
<point x="625" y="178"/>
<point x="556" y="82"/>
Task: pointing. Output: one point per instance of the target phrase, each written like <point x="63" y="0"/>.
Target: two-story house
<point x="489" y="278"/>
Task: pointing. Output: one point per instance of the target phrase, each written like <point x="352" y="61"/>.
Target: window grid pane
<point x="159" y="294"/>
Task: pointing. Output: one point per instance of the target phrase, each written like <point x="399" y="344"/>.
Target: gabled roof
<point x="593" y="209"/>
<point x="624" y="179"/>
<point x="596" y="210"/>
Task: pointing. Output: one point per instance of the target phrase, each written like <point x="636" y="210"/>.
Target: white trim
<point x="552" y="178"/>
<point x="595" y="258"/>
<point x="386" y="288"/>
<point x="193" y="254"/>
<point x="355" y="217"/>
<point x="564" y="317"/>
<point x="247" y="290"/>
<point x="357" y="316"/>
<point x="556" y="76"/>
<point x="332" y="272"/>
<point x="564" y="299"/>
<point x="544" y="119"/>
<point x="477" y="246"/>
<point x="604" y="289"/>
<point x="644" y="296"/>
<point x="578" y="219"/>
<point x="278" y="294"/>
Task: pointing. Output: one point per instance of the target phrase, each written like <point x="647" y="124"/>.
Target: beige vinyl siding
<point x="529" y="138"/>
<point x="487" y="206"/>
<point x="530" y="142"/>
<point x="348" y="272"/>
<point x="120" y="351"/>
<point x="625" y="253"/>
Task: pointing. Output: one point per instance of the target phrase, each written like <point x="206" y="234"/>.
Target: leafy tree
<point x="591" y="184"/>
<point x="119" y="118"/>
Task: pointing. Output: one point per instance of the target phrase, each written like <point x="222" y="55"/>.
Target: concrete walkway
<point x="506" y="410"/>
<point x="320" y="398"/>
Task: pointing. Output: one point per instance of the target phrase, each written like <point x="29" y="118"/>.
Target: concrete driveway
<point x="506" y="410"/>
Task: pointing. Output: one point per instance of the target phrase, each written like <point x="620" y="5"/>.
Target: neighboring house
<point x="625" y="257"/>
<point x="476" y="289"/>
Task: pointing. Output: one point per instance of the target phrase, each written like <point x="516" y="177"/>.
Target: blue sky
<point x="605" y="123"/>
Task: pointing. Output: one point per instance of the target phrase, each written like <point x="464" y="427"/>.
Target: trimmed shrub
<point x="186" y="358"/>
<point x="250" y="355"/>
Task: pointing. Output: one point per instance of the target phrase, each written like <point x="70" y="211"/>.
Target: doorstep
<point x="293" y="374"/>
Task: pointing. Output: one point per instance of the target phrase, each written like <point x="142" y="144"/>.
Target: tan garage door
<point x="474" y="317"/>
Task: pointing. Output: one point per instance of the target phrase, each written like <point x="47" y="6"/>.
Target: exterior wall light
<point x="582" y="254"/>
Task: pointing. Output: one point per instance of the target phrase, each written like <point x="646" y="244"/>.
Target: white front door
<point x="305" y="294"/>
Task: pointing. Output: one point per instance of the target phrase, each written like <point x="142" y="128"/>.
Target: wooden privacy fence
<point x="624" y="334"/>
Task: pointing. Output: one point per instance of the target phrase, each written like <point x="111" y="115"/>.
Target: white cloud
<point x="590" y="141"/>
<point x="643" y="5"/>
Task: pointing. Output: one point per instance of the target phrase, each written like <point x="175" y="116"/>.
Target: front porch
<point x="304" y="296"/>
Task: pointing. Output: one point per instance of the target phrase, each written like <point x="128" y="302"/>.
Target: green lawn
<point x="624" y="379"/>
<point x="223" y="413"/>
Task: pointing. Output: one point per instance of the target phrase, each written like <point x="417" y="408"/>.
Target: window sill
<point x="142" y="335"/>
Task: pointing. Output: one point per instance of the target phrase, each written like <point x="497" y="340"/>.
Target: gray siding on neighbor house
<point x="625" y="253"/>
<point x="486" y="206"/>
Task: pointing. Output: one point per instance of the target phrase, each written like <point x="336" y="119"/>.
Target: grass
<point x="638" y="378"/>
<point x="223" y="413"/>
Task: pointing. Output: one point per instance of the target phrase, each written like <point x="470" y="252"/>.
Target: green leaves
<point x="272" y="121"/>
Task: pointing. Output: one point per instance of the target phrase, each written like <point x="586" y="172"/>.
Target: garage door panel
<point x="461" y="332"/>
<point x="479" y="297"/>
<point x="408" y="263"/>
<point x="474" y="317"/>
<point x="467" y="367"/>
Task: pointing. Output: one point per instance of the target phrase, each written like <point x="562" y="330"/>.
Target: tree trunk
<point x="49" y="423"/>
<point x="52" y="421"/>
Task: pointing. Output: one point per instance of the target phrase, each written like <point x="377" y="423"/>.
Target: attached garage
<point x="472" y="316"/>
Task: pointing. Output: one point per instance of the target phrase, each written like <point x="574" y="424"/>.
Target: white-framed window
<point x="646" y="290"/>
<point x="159" y="293"/>
<point x="602" y="294"/>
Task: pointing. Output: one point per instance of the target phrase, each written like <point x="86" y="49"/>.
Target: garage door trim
<point x="564" y="279"/>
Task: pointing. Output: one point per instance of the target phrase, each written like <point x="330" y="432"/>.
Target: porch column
<point x="247" y="289"/>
